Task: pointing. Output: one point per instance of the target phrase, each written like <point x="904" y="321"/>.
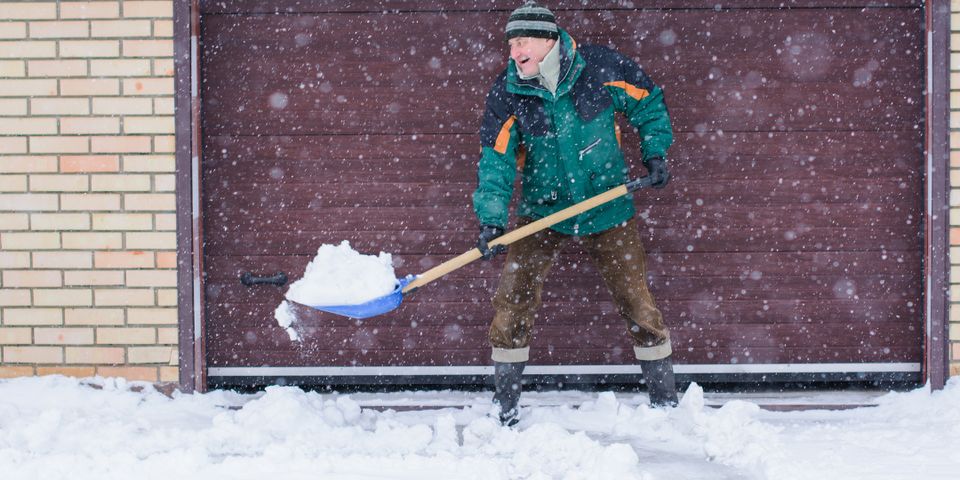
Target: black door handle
<point x="250" y="279"/>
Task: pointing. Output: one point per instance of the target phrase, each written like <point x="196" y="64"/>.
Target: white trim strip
<point x="561" y="369"/>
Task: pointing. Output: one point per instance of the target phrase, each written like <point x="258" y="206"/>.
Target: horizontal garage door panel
<point x="731" y="70"/>
<point x="789" y="234"/>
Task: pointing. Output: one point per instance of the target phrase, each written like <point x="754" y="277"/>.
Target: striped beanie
<point x="532" y="20"/>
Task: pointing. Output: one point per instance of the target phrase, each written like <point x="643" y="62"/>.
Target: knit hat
<point x="532" y="20"/>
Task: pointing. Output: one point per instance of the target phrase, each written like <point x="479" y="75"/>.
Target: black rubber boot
<point x="507" y="380"/>
<point x="661" y="385"/>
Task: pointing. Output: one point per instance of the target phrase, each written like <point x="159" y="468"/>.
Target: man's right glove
<point x="657" y="168"/>
<point x="487" y="233"/>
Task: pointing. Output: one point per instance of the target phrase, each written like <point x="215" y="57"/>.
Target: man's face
<point x="528" y="52"/>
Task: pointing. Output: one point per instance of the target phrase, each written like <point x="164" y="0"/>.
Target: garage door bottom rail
<point x="563" y="376"/>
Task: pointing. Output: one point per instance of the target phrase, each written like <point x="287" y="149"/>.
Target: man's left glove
<point x="487" y="233"/>
<point x="657" y="169"/>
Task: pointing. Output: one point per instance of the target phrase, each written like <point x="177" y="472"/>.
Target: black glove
<point x="487" y="233"/>
<point x="657" y="168"/>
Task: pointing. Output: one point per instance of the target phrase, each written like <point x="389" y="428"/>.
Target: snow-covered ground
<point x="56" y="427"/>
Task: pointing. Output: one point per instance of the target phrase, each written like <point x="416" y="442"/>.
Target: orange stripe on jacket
<point x="635" y="92"/>
<point x="503" y="138"/>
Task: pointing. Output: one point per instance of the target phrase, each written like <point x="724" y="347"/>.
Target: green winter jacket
<point x="569" y="140"/>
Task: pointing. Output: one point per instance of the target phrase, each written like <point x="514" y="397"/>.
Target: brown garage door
<point x="791" y="233"/>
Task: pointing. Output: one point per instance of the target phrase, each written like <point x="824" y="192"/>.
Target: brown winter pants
<point x="618" y="255"/>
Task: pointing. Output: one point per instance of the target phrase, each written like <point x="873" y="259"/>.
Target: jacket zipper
<point x="589" y="147"/>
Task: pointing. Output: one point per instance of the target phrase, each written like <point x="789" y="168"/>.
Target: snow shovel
<point x="408" y="284"/>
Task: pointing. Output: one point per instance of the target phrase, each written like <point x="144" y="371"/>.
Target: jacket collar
<point x="571" y="64"/>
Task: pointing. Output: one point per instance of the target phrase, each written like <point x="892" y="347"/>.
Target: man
<point x="550" y="114"/>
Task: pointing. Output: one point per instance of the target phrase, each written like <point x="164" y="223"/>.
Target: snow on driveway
<point x="57" y="427"/>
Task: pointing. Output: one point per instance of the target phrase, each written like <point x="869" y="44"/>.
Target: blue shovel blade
<point x="370" y="308"/>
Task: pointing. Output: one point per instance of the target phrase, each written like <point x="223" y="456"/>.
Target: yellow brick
<point x="954" y="369"/>
<point x="28" y="49"/>
<point x="149" y="201"/>
<point x="151" y="240"/>
<point x="120" y="183"/>
<point x="94" y="355"/>
<point x="132" y="259"/>
<point x="166" y="297"/>
<point x="59" y="183"/>
<point x="90" y="201"/>
<point x="122" y="106"/>
<point x="163" y="106"/>
<point x="63" y="336"/>
<point x="57" y="68"/>
<point x="146" y="48"/>
<point x="59" y="106"/>
<point x="166" y="259"/>
<point x="89" y="48"/>
<point x="11" y="371"/>
<point x="62" y="259"/>
<point x="32" y="278"/>
<point x="148" y="86"/>
<point x="164" y="144"/>
<point x="89" y="125"/>
<point x="162" y="28"/>
<point x="28" y="126"/>
<point x="90" y="87"/>
<point x="32" y="316"/>
<point x="120" y="144"/>
<point x="28" y="88"/>
<point x="79" y="372"/>
<point x="149" y="163"/>
<point x="93" y="278"/>
<point x="13" y="183"/>
<point x="59" y="221"/>
<point x="13" y="107"/>
<point x="164" y="183"/>
<point x="121" y="28"/>
<point x="126" y="336"/>
<point x="23" y="202"/>
<point x="134" y="374"/>
<point x="114" y="297"/>
<point x="168" y="336"/>
<point x="29" y="241"/>
<point x="62" y="297"/>
<point x="147" y="9"/>
<point x="149" y="354"/>
<point x="13" y="145"/>
<point x="13" y="298"/>
<point x="59" y="144"/>
<point x="164" y="67"/>
<point x="116" y="67"/>
<point x="14" y="259"/>
<point x="152" y="316"/>
<point x="93" y="316"/>
<point x="92" y="241"/>
<point x="165" y="221"/>
<point x="89" y="9"/>
<point x="955" y="331"/>
<point x="169" y="374"/>
<point x="28" y="10"/>
<point x="13" y="68"/>
<point x="152" y="278"/>
<point x="32" y="355"/>
<point x="13" y="30"/>
<point x="122" y="221"/>
<point x="68" y="29"/>
<point x="14" y="221"/>
<point x="89" y="163"/>
<point x="16" y="336"/>
<point x="148" y="125"/>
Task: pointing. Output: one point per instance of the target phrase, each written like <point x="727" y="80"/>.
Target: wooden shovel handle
<point x="524" y="231"/>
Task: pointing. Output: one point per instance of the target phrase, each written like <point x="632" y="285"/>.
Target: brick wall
<point x="954" y="188"/>
<point x="87" y="216"/>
